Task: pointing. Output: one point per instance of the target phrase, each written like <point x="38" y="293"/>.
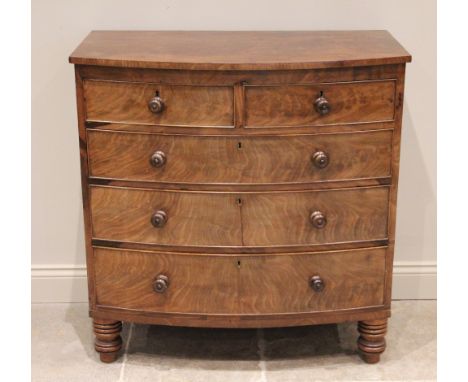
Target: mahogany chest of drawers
<point x="240" y="179"/>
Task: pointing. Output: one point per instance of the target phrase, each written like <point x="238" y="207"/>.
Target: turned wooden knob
<point x="158" y="159"/>
<point x="161" y="283"/>
<point x="156" y="104"/>
<point x="159" y="219"/>
<point x="322" y="106"/>
<point x="316" y="283"/>
<point x="320" y="159"/>
<point x="318" y="219"/>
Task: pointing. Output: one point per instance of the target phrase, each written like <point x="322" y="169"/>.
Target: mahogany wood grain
<point x="108" y="341"/>
<point x="239" y="159"/>
<point x="82" y="139"/>
<point x="222" y="131"/>
<point x="293" y="105"/>
<point x="127" y="102"/>
<point x="240" y="250"/>
<point x="237" y="187"/>
<point x="396" y="144"/>
<point x="197" y="284"/>
<point x="241" y="320"/>
<point x="248" y="285"/>
<point x="272" y="284"/>
<point x="237" y="77"/>
<point x="233" y="220"/>
<point x="371" y="341"/>
<point x="192" y="218"/>
<point x="239" y="50"/>
<point x="283" y="218"/>
<point x="239" y="219"/>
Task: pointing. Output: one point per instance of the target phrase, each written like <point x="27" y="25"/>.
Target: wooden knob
<point x="158" y="159"/>
<point x="161" y="283"/>
<point x="317" y="283"/>
<point x="318" y="219"/>
<point x="159" y="219"/>
<point x="322" y="106"/>
<point x="156" y="104"/>
<point x="320" y="159"/>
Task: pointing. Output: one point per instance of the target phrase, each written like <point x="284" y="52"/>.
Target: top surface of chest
<point x="239" y="50"/>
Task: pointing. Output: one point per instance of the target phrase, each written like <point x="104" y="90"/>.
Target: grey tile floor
<point x="62" y="350"/>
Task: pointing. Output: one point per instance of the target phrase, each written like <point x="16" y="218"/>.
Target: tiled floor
<point x="62" y="350"/>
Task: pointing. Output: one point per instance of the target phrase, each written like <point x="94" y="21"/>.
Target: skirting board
<point x="51" y="284"/>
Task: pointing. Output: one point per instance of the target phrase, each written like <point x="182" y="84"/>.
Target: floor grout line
<point x="261" y="354"/>
<point x="124" y="360"/>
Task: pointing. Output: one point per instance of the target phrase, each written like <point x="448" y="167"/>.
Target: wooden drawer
<point x="287" y="218"/>
<point x="228" y="284"/>
<point x="294" y="105"/>
<point x="231" y="160"/>
<point x="127" y="102"/>
<point x="236" y="219"/>
<point x="198" y="219"/>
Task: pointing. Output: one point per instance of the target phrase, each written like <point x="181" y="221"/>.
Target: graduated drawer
<point x="319" y="104"/>
<point x="241" y="159"/>
<point x="179" y="105"/>
<point x="239" y="219"/>
<point x="216" y="284"/>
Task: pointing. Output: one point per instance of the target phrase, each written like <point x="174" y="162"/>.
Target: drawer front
<point x="312" y="282"/>
<point x="196" y="284"/>
<point x="179" y="105"/>
<point x="316" y="217"/>
<point x="182" y="283"/>
<point x="248" y="160"/>
<point x="166" y="218"/>
<point x="300" y="105"/>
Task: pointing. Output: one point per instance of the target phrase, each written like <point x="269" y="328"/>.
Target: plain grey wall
<point x="59" y="25"/>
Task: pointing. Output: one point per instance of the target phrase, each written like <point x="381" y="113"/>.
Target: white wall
<point x="58" y="255"/>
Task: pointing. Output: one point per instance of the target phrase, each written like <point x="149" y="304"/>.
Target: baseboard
<point x="67" y="283"/>
<point x="59" y="283"/>
<point x="414" y="280"/>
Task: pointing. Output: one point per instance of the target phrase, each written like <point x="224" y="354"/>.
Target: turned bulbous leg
<point x="371" y="341"/>
<point x="108" y="341"/>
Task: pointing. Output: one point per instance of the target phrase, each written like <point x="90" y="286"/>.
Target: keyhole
<point x="239" y="201"/>
<point x="321" y="94"/>
<point x="157" y="93"/>
<point x="238" y="263"/>
<point x="239" y="145"/>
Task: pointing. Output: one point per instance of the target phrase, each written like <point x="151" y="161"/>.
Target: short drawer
<point x="315" y="217"/>
<point x="165" y="217"/>
<point x="241" y="159"/>
<point x="157" y="104"/>
<point x="320" y="104"/>
<point x="216" y="284"/>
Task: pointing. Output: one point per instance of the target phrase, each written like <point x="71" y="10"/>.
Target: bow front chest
<point x="239" y="179"/>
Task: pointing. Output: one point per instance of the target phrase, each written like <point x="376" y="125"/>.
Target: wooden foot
<point x="371" y="342"/>
<point x="108" y="341"/>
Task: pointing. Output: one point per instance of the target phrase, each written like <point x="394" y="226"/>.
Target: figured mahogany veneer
<point x="239" y="219"/>
<point x="182" y="105"/>
<point x="240" y="179"/>
<point x="350" y="102"/>
<point x="269" y="159"/>
<point x="217" y="284"/>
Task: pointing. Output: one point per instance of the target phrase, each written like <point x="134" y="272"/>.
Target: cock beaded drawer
<point x="240" y="179"/>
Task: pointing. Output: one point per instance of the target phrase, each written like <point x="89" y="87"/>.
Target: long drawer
<point x="239" y="219"/>
<point x="319" y="104"/>
<point x="157" y="104"/>
<point x="233" y="160"/>
<point x="181" y="283"/>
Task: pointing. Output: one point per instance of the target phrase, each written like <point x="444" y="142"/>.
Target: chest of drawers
<point x="240" y="179"/>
